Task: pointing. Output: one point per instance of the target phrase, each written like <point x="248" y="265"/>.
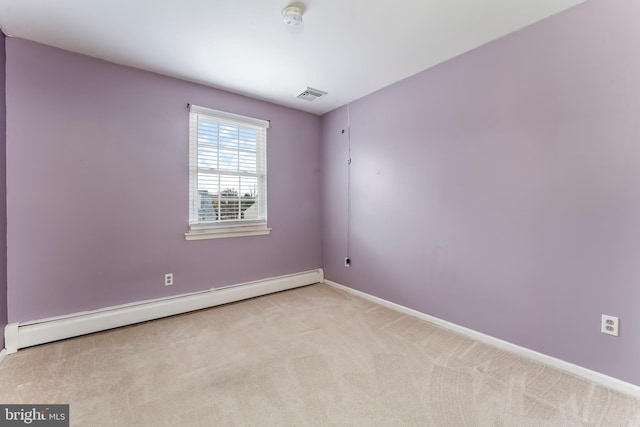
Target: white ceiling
<point x="349" y="48"/>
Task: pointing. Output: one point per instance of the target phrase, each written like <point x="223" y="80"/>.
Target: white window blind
<point x="227" y="171"/>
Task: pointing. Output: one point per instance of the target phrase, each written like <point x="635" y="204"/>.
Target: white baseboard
<point x="3" y="354"/>
<point x="27" y="334"/>
<point x="596" y="377"/>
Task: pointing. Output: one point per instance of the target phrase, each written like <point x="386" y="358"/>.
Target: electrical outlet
<point x="347" y="262"/>
<point x="168" y="279"/>
<point x="610" y="325"/>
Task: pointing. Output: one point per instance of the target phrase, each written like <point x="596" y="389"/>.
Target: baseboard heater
<point x="27" y="334"/>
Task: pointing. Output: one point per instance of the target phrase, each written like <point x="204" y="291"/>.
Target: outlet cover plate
<point x="610" y="325"/>
<point x="168" y="279"/>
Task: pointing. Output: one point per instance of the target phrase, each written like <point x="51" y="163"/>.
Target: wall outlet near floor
<point x="168" y="279"/>
<point x="610" y="325"/>
<point x="347" y="262"/>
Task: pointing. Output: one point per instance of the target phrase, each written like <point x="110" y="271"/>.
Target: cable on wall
<point x="347" y="260"/>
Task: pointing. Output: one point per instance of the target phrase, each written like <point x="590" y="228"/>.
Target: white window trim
<point x="220" y="232"/>
<point x="204" y="231"/>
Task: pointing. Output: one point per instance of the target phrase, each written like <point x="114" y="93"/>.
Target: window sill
<point x="224" y="232"/>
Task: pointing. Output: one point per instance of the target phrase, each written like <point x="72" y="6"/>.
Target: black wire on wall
<point x="348" y="260"/>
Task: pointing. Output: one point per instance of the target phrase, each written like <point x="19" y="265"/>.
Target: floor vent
<point x="310" y="94"/>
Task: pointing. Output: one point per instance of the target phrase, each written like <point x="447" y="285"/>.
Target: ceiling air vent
<point x="310" y="94"/>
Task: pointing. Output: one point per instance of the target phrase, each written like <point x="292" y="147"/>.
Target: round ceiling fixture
<point x="293" y="18"/>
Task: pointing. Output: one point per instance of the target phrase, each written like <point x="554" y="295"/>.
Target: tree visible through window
<point x="225" y="205"/>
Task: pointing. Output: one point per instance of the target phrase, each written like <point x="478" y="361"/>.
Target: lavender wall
<point x="500" y="190"/>
<point x="3" y="195"/>
<point x="97" y="175"/>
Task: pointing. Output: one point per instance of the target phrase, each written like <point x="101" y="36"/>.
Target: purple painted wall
<point x="3" y="195"/>
<point x="501" y="190"/>
<point x="97" y="175"/>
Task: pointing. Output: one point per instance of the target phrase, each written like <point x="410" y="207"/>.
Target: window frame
<point x="199" y="230"/>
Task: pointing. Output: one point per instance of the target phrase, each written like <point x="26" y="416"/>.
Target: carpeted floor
<point x="311" y="356"/>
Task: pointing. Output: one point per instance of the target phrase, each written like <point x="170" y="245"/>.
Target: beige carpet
<point x="310" y="356"/>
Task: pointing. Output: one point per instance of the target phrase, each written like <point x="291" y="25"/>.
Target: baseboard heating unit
<point x="27" y="334"/>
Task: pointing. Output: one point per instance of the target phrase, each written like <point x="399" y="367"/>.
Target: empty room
<point x="339" y="212"/>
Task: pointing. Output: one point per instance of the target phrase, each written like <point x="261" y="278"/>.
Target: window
<point x="227" y="175"/>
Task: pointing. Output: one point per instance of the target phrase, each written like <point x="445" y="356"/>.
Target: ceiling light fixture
<point x="293" y="18"/>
